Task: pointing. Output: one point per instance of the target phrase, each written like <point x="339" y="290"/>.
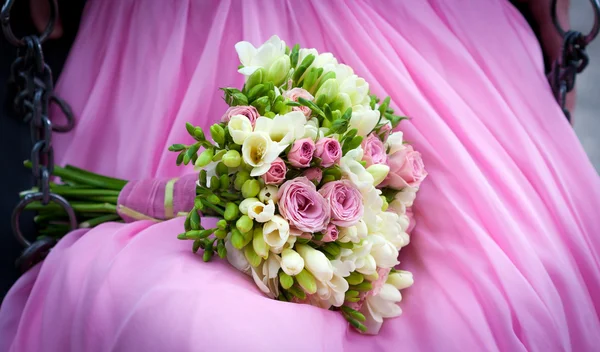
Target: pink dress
<point x="506" y="252"/>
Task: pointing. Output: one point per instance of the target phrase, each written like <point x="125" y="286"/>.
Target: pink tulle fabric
<point x="147" y="198"/>
<point x="506" y="251"/>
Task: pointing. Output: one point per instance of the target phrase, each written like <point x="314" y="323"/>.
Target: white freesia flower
<point x="353" y="170"/>
<point x="357" y="89"/>
<point x="316" y="262"/>
<point x="291" y="262"/>
<point x="288" y="244"/>
<point x="268" y="193"/>
<point x="265" y="276"/>
<point x="311" y="129"/>
<point x="326" y="61"/>
<point x="383" y="305"/>
<point x="364" y="119"/>
<point x="373" y="204"/>
<point x="261" y="212"/>
<point x="236" y="258"/>
<point x="389" y="226"/>
<point x="360" y="257"/>
<point x="379" y="172"/>
<point x="264" y="56"/>
<point x="245" y="204"/>
<point x="282" y="129"/>
<point x="383" y="251"/>
<point x="394" y="142"/>
<point x="304" y="52"/>
<point x="276" y="231"/>
<point x="239" y="128"/>
<point x="343" y="72"/>
<point x="353" y="233"/>
<point x="259" y="151"/>
<point x="333" y="291"/>
<point x="400" y="279"/>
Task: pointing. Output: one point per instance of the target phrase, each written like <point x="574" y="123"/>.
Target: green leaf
<point x="219" y="155"/>
<point x="312" y="106"/>
<point x="195" y="220"/>
<point x="294" y="55"/>
<point x="256" y="92"/>
<point x="328" y="113"/>
<point x="351" y="144"/>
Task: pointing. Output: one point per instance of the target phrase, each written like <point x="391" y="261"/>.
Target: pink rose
<point x="374" y="151"/>
<point x="276" y="173"/>
<point x="302" y="206"/>
<point x="329" y="150"/>
<point x="411" y="220"/>
<point x="331" y="234"/>
<point x="301" y="153"/>
<point x="406" y="169"/>
<point x="345" y="202"/>
<point x="249" y="111"/>
<point x="294" y="94"/>
<point x="314" y="174"/>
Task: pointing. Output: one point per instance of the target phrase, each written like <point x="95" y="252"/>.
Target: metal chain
<point x="573" y="58"/>
<point x="33" y="90"/>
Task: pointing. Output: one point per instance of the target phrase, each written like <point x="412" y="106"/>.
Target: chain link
<point x="573" y="59"/>
<point x="32" y="89"/>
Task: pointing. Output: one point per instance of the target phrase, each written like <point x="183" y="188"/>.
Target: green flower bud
<point x="240" y="178"/>
<point x="195" y="220"/>
<point x="198" y="203"/>
<point x="250" y="188"/>
<point x="251" y="256"/>
<point x="329" y="89"/>
<point x="232" y="159"/>
<point x="218" y="134"/>
<point x="260" y="246"/>
<point x="270" y="114"/>
<point x="231" y="211"/>
<point x="307" y="281"/>
<point x="255" y="78"/>
<point x="325" y="77"/>
<point x="297" y="292"/>
<point x="198" y="134"/>
<point x="328" y="178"/>
<point x="221" y="169"/>
<point x="214" y="183"/>
<point x="205" y="157"/>
<point x="224" y="182"/>
<point x="207" y="255"/>
<point x="219" y="155"/>
<point x="351" y="294"/>
<point x="279" y="70"/>
<point x="237" y="240"/>
<point x="202" y="178"/>
<point x="353" y="313"/>
<point x="385" y="205"/>
<point x="214" y="199"/>
<point x="221" y="250"/>
<point x="196" y="246"/>
<point x="355" y="278"/>
<point x="244" y="224"/>
<point x="262" y="104"/>
<point x="222" y="224"/>
<point x="220" y="234"/>
<point x="285" y="280"/>
<point x="248" y="237"/>
<point x="363" y="287"/>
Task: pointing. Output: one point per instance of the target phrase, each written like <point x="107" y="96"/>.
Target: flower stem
<point x="99" y="220"/>
<point x="85" y="178"/>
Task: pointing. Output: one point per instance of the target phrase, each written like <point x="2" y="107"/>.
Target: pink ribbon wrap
<point x="157" y="199"/>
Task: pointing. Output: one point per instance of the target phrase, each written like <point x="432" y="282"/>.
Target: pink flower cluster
<point x="308" y="210"/>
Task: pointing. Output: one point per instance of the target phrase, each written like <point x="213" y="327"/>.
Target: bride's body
<point x="505" y="253"/>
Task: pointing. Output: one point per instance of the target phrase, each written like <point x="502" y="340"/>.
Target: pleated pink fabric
<point x="506" y="250"/>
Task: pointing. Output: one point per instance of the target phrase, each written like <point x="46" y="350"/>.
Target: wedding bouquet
<point x="311" y="186"/>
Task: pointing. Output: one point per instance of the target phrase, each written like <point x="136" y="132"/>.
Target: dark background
<point x="15" y="142"/>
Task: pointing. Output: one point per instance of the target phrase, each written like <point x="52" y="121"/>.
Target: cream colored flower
<point x="276" y="232"/>
<point x="239" y="127"/>
<point x="261" y="212"/>
<point x="291" y="262"/>
<point x="262" y="57"/>
<point x="259" y="151"/>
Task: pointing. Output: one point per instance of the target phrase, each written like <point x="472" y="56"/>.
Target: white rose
<point x="364" y="119"/>
<point x="291" y="262"/>
<point x="261" y="212"/>
<point x="276" y="231"/>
